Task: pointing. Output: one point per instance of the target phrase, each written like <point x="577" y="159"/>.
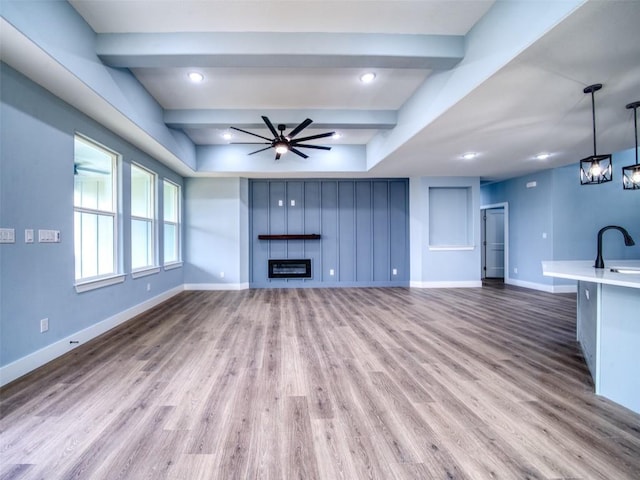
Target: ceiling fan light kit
<point x="285" y="143"/>
<point x="595" y="169"/>
<point x="631" y="173"/>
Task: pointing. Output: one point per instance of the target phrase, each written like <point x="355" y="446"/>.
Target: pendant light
<point x="631" y="174"/>
<point x="596" y="168"/>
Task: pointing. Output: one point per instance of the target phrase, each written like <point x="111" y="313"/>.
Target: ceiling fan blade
<point x="261" y="150"/>
<point x="254" y="134"/>
<point x="278" y="156"/>
<point x="299" y="128"/>
<point x="250" y="143"/>
<point x="271" y="127"/>
<point x="298" y="152"/>
<point x="319" y="147"/>
<point x="313" y="137"/>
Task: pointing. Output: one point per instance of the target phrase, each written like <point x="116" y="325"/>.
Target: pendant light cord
<point x="635" y="106"/>
<point x="593" y="114"/>
<point x="635" y="128"/>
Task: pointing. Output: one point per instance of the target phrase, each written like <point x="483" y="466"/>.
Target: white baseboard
<point x="216" y="286"/>
<point x="439" y="284"/>
<point x="542" y="287"/>
<point x="26" y="364"/>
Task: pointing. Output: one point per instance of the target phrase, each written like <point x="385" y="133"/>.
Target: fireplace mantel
<point x="295" y="236"/>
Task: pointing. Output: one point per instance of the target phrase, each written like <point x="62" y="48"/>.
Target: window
<point x="95" y="202"/>
<point x="171" y="222"/>
<point x="143" y="200"/>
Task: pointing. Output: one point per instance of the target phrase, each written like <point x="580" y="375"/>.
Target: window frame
<point x="168" y="265"/>
<point x="153" y="221"/>
<point x="83" y="284"/>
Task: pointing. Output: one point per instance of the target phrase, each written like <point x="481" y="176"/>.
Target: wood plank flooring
<point x="484" y="383"/>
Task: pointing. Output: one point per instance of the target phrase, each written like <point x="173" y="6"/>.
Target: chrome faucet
<point x="628" y="241"/>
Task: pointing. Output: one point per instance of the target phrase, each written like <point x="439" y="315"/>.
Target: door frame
<point x="505" y="206"/>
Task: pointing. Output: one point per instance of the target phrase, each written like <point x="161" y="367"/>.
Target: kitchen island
<point x="608" y="324"/>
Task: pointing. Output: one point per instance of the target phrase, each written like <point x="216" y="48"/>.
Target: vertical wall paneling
<point x="347" y="231"/>
<point x="364" y="238"/>
<point x="398" y="228"/>
<point x="363" y="224"/>
<point x="295" y="218"/>
<point x="259" y="218"/>
<point x="381" y="218"/>
<point x="313" y="224"/>
<point x="277" y="218"/>
<point x="329" y="241"/>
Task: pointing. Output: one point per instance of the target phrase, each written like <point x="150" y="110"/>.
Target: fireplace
<point x="290" y="268"/>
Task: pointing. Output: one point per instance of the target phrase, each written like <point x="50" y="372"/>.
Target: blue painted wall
<point x="436" y="265"/>
<point x="570" y="214"/>
<point x="36" y="191"/>
<point x="216" y="230"/>
<point x="364" y="226"/>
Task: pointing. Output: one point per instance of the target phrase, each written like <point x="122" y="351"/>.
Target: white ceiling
<point x="438" y="17"/>
<point x="296" y="59"/>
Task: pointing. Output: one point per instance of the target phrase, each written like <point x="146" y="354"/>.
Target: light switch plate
<point x="7" y="235"/>
<point x="49" y="236"/>
<point x="28" y="235"/>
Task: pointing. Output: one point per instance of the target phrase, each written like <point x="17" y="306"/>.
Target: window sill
<point x="143" y="272"/>
<point x="171" y="266"/>
<point x="442" y="248"/>
<point x="98" y="283"/>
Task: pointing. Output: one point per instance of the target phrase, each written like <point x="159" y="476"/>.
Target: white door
<point x="494" y="242"/>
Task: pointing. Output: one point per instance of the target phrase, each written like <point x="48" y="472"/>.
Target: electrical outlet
<point x="515" y="269"/>
<point x="293" y="203"/>
<point x="148" y="287"/>
<point x="331" y="272"/>
<point x="221" y="274"/>
<point x="394" y="271"/>
<point x="44" y="325"/>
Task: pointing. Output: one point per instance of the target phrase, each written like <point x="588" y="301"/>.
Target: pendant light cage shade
<point x="631" y="174"/>
<point x="631" y="177"/>
<point x="595" y="169"/>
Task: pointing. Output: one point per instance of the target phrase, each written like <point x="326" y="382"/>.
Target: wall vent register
<point x="290" y="268"/>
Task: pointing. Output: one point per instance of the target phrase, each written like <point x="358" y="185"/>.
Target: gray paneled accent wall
<point x="363" y="224"/>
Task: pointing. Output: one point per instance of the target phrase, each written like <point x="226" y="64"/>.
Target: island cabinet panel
<point x="607" y="323"/>
<point x="619" y="345"/>
<point x="354" y="231"/>
<point x="587" y="322"/>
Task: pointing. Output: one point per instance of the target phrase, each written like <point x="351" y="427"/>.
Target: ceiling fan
<point x="285" y="143"/>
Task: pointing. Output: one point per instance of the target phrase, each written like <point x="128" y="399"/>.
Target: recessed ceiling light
<point x="196" y="77"/>
<point x="367" y="77"/>
<point x="336" y="135"/>
<point x="543" y="156"/>
<point x="227" y="135"/>
<point x="469" y="155"/>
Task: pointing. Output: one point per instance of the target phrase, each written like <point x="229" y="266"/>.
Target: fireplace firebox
<point x="290" y="268"/>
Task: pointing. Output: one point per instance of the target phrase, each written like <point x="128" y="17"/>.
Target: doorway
<point x="494" y="232"/>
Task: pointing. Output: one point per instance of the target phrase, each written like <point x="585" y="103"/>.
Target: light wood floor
<point x="324" y="383"/>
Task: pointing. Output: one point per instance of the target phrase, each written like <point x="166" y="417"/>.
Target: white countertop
<point x="585" y="271"/>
